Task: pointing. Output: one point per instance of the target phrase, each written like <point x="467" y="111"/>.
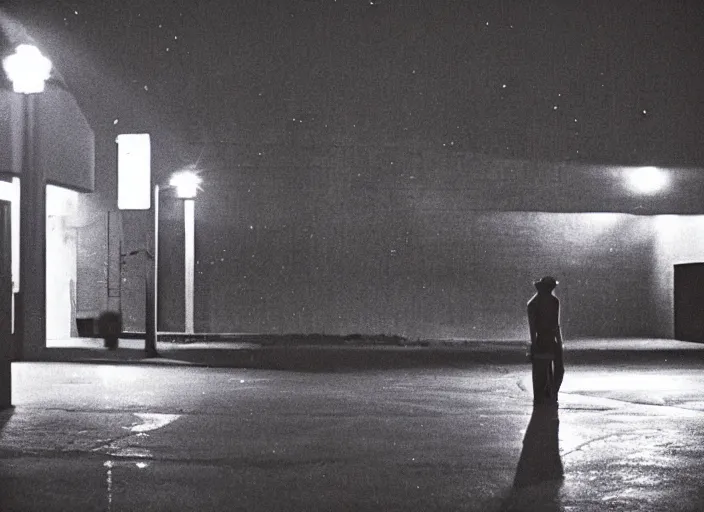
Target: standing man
<point x="545" y="342"/>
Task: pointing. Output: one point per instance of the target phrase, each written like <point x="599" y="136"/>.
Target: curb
<point x="322" y="358"/>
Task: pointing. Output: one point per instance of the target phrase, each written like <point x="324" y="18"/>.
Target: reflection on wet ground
<point x="129" y="445"/>
<point x="199" y="439"/>
<point x="110" y="466"/>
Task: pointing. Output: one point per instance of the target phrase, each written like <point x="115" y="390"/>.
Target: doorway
<point x="689" y="302"/>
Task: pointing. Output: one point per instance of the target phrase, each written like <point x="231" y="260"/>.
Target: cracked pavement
<point x="104" y="437"/>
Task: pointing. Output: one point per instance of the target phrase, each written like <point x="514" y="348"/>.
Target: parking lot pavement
<point x="136" y="437"/>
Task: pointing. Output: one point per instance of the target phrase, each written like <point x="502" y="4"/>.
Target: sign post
<point x="134" y="191"/>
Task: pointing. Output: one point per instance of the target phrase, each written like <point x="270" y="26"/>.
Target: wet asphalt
<point x="626" y="436"/>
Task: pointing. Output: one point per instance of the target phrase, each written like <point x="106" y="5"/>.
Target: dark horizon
<point x="604" y="83"/>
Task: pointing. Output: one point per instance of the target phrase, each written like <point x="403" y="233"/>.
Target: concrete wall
<point x="381" y="241"/>
<point x="466" y="277"/>
<point x="61" y="263"/>
<point x="394" y="240"/>
<point x="92" y="224"/>
<point x="678" y="239"/>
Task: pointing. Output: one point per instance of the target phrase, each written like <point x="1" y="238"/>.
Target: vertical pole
<point x="189" y="229"/>
<point x="150" y="286"/>
<point x="6" y="347"/>
<point x="156" y="262"/>
<point x="31" y="325"/>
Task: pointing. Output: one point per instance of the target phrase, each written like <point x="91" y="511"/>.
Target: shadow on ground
<point x="539" y="474"/>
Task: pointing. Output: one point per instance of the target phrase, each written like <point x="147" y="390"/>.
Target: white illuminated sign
<point x="134" y="176"/>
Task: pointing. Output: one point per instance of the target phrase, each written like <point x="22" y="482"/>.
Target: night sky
<point x="605" y="82"/>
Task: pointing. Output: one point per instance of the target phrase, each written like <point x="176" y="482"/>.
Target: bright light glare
<point x="602" y="219"/>
<point x="647" y="180"/>
<point x="187" y="184"/>
<point x="60" y="201"/>
<point x="27" y="69"/>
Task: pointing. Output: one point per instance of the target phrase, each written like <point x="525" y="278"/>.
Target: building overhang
<point x="64" y="144"/>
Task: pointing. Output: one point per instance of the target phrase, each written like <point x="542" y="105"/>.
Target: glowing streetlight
<point x="28" y="70"/>
<point x="647" y="180"/>
<point x="187" y="184"/>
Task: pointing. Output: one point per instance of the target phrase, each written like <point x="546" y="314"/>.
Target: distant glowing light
<point x="187" y="184"/>
<point x="647" y="180"/>
<point x="27" y="69"/>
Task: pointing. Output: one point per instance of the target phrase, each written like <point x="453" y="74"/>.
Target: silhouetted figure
<point x="539" y="474"/>
<point x="545" y="342"/>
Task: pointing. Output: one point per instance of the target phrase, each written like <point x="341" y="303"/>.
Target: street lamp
<point x="187" y="184"/>
<point x="647" y="180"/>
<point x="28" y="70"/>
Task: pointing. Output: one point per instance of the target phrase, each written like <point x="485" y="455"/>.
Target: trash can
<point x="109" y="328"/>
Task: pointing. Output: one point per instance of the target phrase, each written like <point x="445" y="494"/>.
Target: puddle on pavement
<point x="153" y="421"/>
<point x="123" y="447"/>
<point x="148" y="422"/>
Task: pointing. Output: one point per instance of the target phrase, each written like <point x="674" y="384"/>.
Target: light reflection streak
<point x="109" y="465"/>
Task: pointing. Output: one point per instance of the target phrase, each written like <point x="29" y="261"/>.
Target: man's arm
<point x="531" y="322"/>
<point x="531" y="326"/>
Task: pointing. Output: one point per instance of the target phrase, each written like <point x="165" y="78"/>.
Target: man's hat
<point x="546" y="282"/>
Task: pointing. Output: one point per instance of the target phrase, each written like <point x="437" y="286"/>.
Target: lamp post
<point x="151" y="287"/>
<point x="187" y="184"/>
<point x="28" y="70"/>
